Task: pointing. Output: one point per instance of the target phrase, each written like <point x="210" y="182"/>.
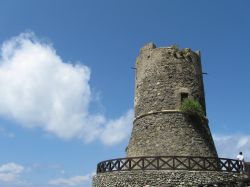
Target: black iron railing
<point x="170" y="163"/>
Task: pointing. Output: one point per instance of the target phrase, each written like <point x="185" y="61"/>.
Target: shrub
<point x="192" y="106"/>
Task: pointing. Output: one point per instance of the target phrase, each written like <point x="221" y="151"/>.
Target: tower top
<point x="178" y="52"/>
<point x="167" y="74"/>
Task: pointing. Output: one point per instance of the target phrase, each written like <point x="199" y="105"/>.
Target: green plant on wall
<point x="192" y="106"/>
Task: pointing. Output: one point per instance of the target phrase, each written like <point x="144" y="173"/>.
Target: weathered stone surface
<point x="163" y="75"/>
<point x="160" y="178"/>
<point x="171" y="133"/>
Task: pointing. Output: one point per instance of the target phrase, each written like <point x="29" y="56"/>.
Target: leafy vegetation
<point x="192" y="106"/>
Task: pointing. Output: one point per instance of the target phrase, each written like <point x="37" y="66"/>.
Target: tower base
<point x="157" y="178"/>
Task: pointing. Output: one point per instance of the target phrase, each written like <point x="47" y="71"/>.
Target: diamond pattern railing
<point x="170" y="163"/>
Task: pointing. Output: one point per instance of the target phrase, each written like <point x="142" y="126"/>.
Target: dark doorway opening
<point x="184" y="96"/>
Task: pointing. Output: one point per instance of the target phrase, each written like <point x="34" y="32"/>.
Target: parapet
<point x="148" y="46"/>
<point x="185" y="54"/>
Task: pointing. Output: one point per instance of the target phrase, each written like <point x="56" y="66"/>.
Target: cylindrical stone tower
<point x="168" y="147"/>
<point x="164" y="78"/>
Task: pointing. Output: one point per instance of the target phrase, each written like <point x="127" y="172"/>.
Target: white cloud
<point x="230" y="145"/>
<point x="73" y="181"/>
<point x="117" y="130"/>
<point x="10" y="172"/>
<point x="39" y="90"/>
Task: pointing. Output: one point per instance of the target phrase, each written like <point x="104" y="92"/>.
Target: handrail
<point x="189" y="163"/>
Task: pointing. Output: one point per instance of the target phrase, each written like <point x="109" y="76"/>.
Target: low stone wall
<point x="156" y="178"/>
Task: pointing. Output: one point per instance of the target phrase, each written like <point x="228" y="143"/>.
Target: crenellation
<point x="186" y="54"/>
<point x="147" y="47"/>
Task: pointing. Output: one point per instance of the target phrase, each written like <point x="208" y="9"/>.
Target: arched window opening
<point x="184" y="96"/>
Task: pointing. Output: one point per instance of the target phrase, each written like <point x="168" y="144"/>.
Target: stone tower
<point x="164" y="78"/>
<point x="168" y="147"/>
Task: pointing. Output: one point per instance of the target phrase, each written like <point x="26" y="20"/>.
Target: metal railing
<point x="170" y="163"/>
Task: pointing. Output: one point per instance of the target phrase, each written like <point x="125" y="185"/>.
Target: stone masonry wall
<point x="171" y="133"/>
<point x="161" y="178"/>
<point x="162" y="76"/>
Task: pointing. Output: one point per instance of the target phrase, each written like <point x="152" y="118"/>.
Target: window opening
<point x="184" y="96"/>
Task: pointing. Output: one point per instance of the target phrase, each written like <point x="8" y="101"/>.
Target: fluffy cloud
<point x="230" y="145"/>
<point x="117" y="130"/>
<point x="73" y="181"/>
<point x="39" y="89"/>
<point x="10" y="172"/>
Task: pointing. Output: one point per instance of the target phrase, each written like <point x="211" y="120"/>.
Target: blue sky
<point x="66" y="86"/>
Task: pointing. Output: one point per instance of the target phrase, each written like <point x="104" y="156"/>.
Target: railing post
<point x="129" y="161"/>
<point x="104" y="167"/>
<point x="204" y="164"/>
<point x="143" y="165"/>
<point x="158" y="164"/>
<point x="219" y="164"/>
<point x="109" y="166"/>
<point x="173" y="162"/>
<point x="98" y="168"/>
<point x="237" y="166"/>
<point x="230" y="165"/>
<point x="119" y="167"/>
<point x="189" y="163"/>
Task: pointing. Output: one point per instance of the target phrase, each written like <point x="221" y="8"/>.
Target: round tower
<point x="168" y="146"/>
<point x="165" y="77"/>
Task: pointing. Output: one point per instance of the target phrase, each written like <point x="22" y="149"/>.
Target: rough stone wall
<point x="162" y="75"/>
<point x="171" y="133"/>
<point x="161" y="178"/>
